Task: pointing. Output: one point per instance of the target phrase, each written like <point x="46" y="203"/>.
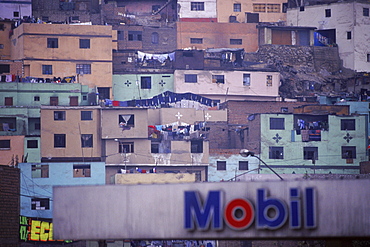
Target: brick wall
<point x="9" y="206"/>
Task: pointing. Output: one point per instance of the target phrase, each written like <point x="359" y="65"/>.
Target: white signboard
<point x="225" y="210"/>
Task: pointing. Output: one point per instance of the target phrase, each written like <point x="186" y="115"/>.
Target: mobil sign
<point x="301" y="209"/>
<point x="239" y="213"/>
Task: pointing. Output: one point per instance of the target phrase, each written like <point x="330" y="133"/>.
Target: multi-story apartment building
<point x="345" y="24"/>
<point x="251" y="11"/>
<point x="313" y="141"/>
<point x="202" y="11"/>
<point x="57" y="50"/>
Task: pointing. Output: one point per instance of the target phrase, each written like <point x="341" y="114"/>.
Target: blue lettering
<point x="295" y="212"/>
<point x="203" y="215"/>
<point x="310" y="212"/>
<point x="271" y="213"/>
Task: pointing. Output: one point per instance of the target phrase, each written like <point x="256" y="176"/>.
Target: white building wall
<point x="210" y="9"/>
<point x="233" y="87"/>
<point x="345" y="17"/>
<point x="7" y="9"/>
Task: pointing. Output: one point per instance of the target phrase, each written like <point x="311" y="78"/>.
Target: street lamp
<point x="246" y="153"/>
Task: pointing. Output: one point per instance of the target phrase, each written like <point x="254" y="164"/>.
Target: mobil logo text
<point x="266" y="212"/>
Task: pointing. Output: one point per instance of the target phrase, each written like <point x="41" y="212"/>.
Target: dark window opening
<point x="191" y="78"/>
<point x="59" y="115"/>
<point x="120" y="35"/>
<point x="52" y="42"/>
<point x="197" y="6"/>
<point x="86" y="140"/>
<point x="237" y="7"/>
<point x="126" y="147"/>
<point x="59" y="140"/>
<point x="277" y="124"/>
<point x="327" y="12"/>
<point x="134" y="35"/>
<point x="32" y="144"/>
<point x="40" y="203"/>
<point x="243" y="165"/>
<point x="221" y="165"/>
<point x="82" y="69"/>
<point x="196" y="146"/>
<point x="218" y="79"/>
<point x="126" y="120"/>
<point x="86" y="115"/>
<point x="4" y="144"/>
<point x="81" y="171"/>
<point x="40" y="171"/>
<point x="310" y="153"/>
<point x="196" y="41"/>
<point x="155" y="38"/>
<point x="365" y="11"/>
<point x="348" y="124"/>
<point x="4" y="68"/>
<point x="85" y="43"/>
<point x="348" y="152"/>
<point x="146" y="82"/>
<point x="47" y="69"/>
<point x="276" y="153"/>
<point x="236" y="41"/>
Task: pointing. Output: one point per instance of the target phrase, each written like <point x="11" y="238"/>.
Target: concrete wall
<point x="154" y="178"/>
<point x="14" y="154"/>
<point x="124" y="90"/>
<point x="345" y="17"/>
<point x="329" y="148"/>
<point x="24" y="93"/>
<point x="72" y="127"/>
<point x="30" y="45"/>
<point x="217" y="35"/>
<point x="210" y="9"/>
<point x="233" y="87"/>
<point x="59" y="174"/>
<point x="9" y="206"/>
<point x="226" y="9"/>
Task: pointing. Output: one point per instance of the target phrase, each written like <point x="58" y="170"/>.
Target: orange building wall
<point x="16" y="150"/>
<point x="217" y="35"/>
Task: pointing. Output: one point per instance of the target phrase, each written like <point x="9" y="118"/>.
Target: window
<point x="191" y="78"/>
<point x="146" y="82"/>
<point x="155" y="148"/>
<point x="86" y="140"/>
<point x="121" y="35"/>
<point x="40" y="204"/>
<point x="310" y="153"/>
<point x="52" y="42"/>
<point x="126" y="120"/>
<point x="59" y="115"/>
<point x="161" y="147"/>
<point x="2" y="27"/>
<point x="32" y="144"/>
<point x="36" y="98"/>
<point x="196" y="41"/>
<point x="1" y="46"/>
<point x="276" y="153"/>
<point x="237" y="7"/>
<point x="126" y="147"/>
<point x="47" y="69"/>
<point x="259" y="7"/>
<point x="4" y="68"/>
<point x="368" y="57"/>
<point x="59" y="140"/>
<point x="218" y="79"/>
<point x="85" y="43"/>
<point x="246" y="79"/>
<point x="104" y="92"/>
<point x="8" y="124"/>
<point x="243" y="165"/>
<point x="54" y="100"/>
<point x="81" y="171"/>
<point x="236" y="41"/>
<point x="155" y="38"/>
<point x="273" y="8"/>
<point x="196" y="146"/>
<point x="86" y="115"/>
<point x="134" y="35"/>
<point x="269" y="80"/>
<point x="301" y="8"/>
<point x="327" y="12"/>
<point x="82" y="69"/>
<point x="232" y="19"/>
<point x="4" y="144"/>
<point x="277" y="124"/>
<point x="365" y="11"/>
<point x="347" y="124"/>
<point x="40" y="171"/>
<point x="348" y="152"/>
<point x="8" y="101"/>
<point x="221" y="165"/>
<point x="15" y="14"/>
<point x="284" y="109"/>
<point x="197" y="6"/>
<point x="349" y="35"/>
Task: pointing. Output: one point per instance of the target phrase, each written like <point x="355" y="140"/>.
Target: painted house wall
<point x="5" y="40"/>
<point x="24" y="8"/>
<point x="217" y="35"/>
<point x="185" y="12"/>
<point x="225" y="9"/>
<point x="329" y="148"/>
<point x="72" y="127"/>
<point x="9" y="156"/>
<point x="24" y="93"/>
<point x="30" y="45"/>
<point x="60" y="174"/>
<point x="233" y="88"/>
<point x="128" y="86"/>
<point x="345" y="17"/>
<point x="233" y="170"/>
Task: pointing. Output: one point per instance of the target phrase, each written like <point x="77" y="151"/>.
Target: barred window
<point x="82" y="69"/>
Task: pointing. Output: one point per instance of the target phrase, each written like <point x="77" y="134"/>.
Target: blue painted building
<point x="38" y="179"/>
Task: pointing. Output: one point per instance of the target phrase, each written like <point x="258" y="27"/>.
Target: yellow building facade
<point x="61" y="50"/>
